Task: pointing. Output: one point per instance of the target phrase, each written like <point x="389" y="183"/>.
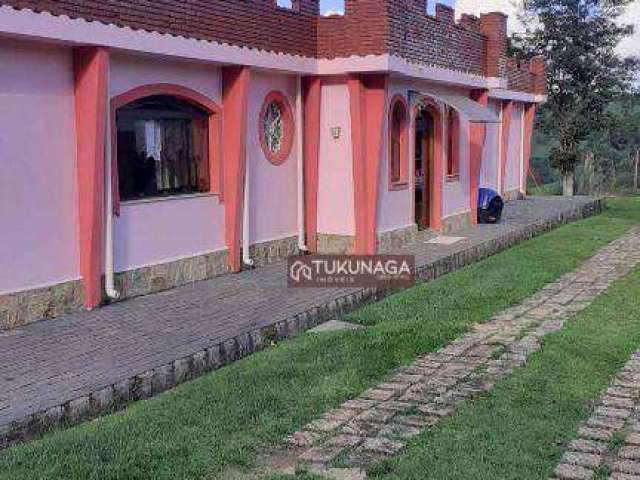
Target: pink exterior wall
<point x="335" y="190"/>
<point x="38" y="196"/>
<point x="158" y="231"/>
<point x="514" y="167"/>
<point x="455" y="194"/>
<point x="490" y="168"/>
<point x="273" y="200"/>
<point x="396" y="206"/>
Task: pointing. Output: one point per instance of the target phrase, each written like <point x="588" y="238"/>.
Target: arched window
<point x="453" y="144"/>
<point x="276" y="128"/>
<point x="162" y="148"/>
<point x="398" y="136"/>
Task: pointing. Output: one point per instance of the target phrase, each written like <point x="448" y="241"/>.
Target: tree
<point x="585" y="73"/>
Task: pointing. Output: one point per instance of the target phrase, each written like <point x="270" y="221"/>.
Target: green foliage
<point x="578" y="38"/>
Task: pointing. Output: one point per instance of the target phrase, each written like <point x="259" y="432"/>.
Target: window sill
<point x="452" y="178"/>
<point x="189" y="196"/>
<point x="395" y="186"/>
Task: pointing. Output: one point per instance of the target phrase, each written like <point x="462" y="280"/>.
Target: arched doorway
<point x="427" y="165"/>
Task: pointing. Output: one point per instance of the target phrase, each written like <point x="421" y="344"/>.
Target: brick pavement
<point x="378" y="424"/>
<point x="77" y="366"/>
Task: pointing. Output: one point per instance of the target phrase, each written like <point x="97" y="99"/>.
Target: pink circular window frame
<point x="288" y="125"/>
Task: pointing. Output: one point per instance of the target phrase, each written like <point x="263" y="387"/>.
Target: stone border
<point x="147" y="384"/>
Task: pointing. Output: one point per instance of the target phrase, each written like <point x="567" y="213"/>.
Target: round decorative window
<point x="276" y="128"/>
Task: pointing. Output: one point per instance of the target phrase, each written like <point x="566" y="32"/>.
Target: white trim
<point x="169" y="198"/>
<point x="504" y="94"/>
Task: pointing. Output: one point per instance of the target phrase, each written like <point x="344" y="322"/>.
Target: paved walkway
<point x="609" y="441"/>
<point x="379" y="423"/>
<point x="78" y="365"/>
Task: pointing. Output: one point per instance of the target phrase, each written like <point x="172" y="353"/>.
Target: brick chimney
<point x="494" y="26"/>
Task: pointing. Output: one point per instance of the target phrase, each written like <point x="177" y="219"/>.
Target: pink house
<point x="144" y="147"/>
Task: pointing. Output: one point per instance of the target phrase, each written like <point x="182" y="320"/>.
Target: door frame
<point x="433" y="217"/>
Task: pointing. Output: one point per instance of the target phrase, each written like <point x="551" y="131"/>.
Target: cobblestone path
<point x="608" y="444"/>
<point x="378" y="424"/>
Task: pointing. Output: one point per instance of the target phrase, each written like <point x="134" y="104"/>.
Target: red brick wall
<point x="363" y="30"/>
<point x="437" y="40"/>
<point x="369" y="27"/>
<point x="252" y="23"/>
<point x="527" y="77"/>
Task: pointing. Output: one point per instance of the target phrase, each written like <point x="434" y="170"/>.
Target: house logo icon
<point x="300" y="270"/>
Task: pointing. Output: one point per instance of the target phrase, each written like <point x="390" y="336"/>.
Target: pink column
<point x="507" y="110"/>
<point x="368" y="97"/>
<point x="529" y="119"/>
<point x="235" y="91"/>
<point x="477" y="137"/>
<point x="312" y="91"/>
<point x="91" y="67"/>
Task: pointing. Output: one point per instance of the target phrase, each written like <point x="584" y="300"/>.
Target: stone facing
<point x="457" y="222"/>
<point x="273" y="251"/>
<point x="150" y="382"/>
<point x="512" y="195"/>
<point x="392" y="242"/>
<point x="335" y="244"/>
<point x="156" y="278"/>
<point x="21" y="308"/>
<point x="380" y="422"/>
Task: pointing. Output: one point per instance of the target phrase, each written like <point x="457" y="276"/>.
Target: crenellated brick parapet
<point x="527" y="76"/>
<point x="474" y="45"/>
<point x="257" y="24"/>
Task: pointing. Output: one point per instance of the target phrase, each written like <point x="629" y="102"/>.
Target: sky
<point x="630" y="46"/>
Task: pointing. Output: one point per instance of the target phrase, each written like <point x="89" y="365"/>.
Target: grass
<point x="223" y="421"/>
<point x="520" y="429"/>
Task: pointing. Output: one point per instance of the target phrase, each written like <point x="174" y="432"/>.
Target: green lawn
<point x="224" y="420"/>
<point x="520" y="429"/>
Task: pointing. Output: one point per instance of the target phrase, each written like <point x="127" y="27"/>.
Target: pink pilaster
<point x="235" y="90"/>
<point x="312" y="90"/>
<point x="477" y="136"/>
<point x="368" y="98"/>
<point x="91" y="66"/>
